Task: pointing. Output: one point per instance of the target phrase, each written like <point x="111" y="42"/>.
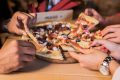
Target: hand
<point x="91" y="59"/>
<point x="112" y="33"/>
<point x="20" y="23"/>
<point x="112" y="47"/>
<point x="16" y="55"/>
<point x="91" y="12"/>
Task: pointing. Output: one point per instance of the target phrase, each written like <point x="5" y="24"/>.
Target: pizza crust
<point x="54" y="55"/>
<point x="67" y="60"/>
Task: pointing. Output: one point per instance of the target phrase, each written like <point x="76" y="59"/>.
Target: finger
<point x="101" y="42"/>
<point x="103" y="49"/>
<point x="92" y="27"/>
<point x="31" y="16"/>
<point x="20" y="32"/>
<point x="86" y="11"/>
<point x="15" y="27"/>
<point x="79" y="57"/>
<point x="107" y="44"/>
<point x="89" y="12"/>
<point x="35" y="17"/>
<point x="95" y="43"/>
<point x="32" y="19"/>
<point x="27" y="58"/>
<point x="87" y="51"/>
<point x="21" y="15"/>
<point x="94" y="12"/>
<point x="25" y="44"/>
<point x="108" y="30"/>
<point x="27" y="51"/>
<point x="74" y="55"/>
<point x="110" y="35"/>
<point x="25" y="19"/>
<point x="116" y="40"/>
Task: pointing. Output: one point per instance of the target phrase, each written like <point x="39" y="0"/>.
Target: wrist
<point x="113" y="65"/>
<point x="109" y="65"/>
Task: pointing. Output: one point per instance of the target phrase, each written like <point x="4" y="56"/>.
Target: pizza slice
<point x="81" y="35"/>
<point x="51" y="38"/>
<point x="86" y="20"/>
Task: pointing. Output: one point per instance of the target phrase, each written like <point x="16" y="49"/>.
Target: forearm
<point x="115" y="19"/>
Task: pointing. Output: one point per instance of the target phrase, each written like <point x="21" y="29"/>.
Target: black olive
<point x="85" y="26"/>
<point x="77" y="40"/>
<point x="49" y="44"/>
<point x="41" y="39"/>
<point x="58" y="26"/>
<point x="44" y="27"/>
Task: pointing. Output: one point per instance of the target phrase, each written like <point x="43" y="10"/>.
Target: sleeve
<point x="116" y="75"/>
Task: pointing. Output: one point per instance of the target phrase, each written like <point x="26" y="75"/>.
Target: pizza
<point x="55" y="39"/>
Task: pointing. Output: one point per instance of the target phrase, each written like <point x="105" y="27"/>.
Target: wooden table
<point x="41" y="70"/>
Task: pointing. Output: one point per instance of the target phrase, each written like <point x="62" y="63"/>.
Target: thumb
<point x="86" y="11"/>
<point x="75" y="55"/>
<point x="21" y="32"/>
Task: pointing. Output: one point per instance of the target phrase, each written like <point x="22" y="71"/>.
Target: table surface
<point x="42" y="70"/>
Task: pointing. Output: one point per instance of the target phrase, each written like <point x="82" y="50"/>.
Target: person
<point x="16" y="54"/>
<point x="93" y="58"/>
<point x="110" y="25"/>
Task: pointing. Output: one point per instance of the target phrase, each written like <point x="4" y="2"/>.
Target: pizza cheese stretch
<point x="55" y="38"/>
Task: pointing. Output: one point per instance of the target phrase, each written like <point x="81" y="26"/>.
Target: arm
<point x="111" y="20"/>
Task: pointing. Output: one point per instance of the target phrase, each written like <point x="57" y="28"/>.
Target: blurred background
<point x="104" y="7"/>
<point x="9" y="7"/>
